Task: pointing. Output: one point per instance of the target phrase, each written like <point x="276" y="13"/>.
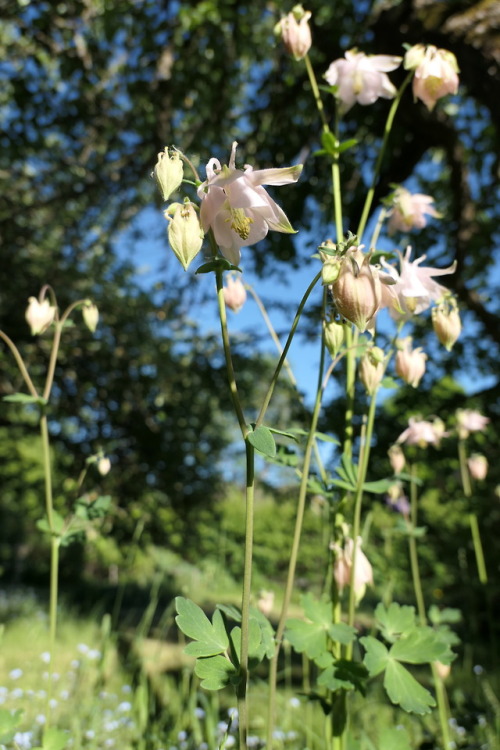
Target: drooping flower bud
<point x="396" y="458"/>
<point x="295" y="32"/>
<point x="372" y="369"/>
<point x="357" y="292"/>
<point x="446" y="322"/>
<point x="331" y="268"/>
<point x="478" y="466"/>
<point x="443" y="670"/>
<point x="410" y="363"/>
<point x="235" y="294"/>
<point x="185" y="234"/>
<point x="397" y="499"/>
<point x="436" y="73"/>
<point x="168" y="172"/>
<point x="342" y="567"/>
<point x="103" y="465"/>
<point x="90" y="315"/>
<point x="265" y="602"/>
<point x="39" y="315"/>
<point x="334" y="336"/>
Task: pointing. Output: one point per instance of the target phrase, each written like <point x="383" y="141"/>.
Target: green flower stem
<point x="419" y="597"/>
<point x="245" y="601"/>
<point x="59" y="325"/>
<point x="350" y="383"/>
<point x="287" y="366"/>
<point x="473" y="522"/>
<point x="20" y="363"/>
<point x="378" y="164"/>
<point x="227" y="354"/>
<point x="273" y="670"/>
<point x="358" y="501"/>
<point x="282" y="359"/>
<point x="378" y="226"/>
<point x="412" y="543"/>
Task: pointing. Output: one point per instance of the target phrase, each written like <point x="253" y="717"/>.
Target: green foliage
<point x="9" y="721"/>
<point x="263" y="441"/>
<point x="348" y="473"/>
<point x="410" y="643"/>
<point x="210" y="638"/>
<point x="54" y="739"/>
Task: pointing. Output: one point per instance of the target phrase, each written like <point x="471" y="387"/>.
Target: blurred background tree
<point x="91" y="91"/>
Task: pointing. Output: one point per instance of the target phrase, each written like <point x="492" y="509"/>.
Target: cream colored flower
<point x="362" y="78"/>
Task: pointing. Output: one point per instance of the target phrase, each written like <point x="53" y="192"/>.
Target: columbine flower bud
<point x="103" y="465"/>
<point x="168" y="172"/>
<point x="446" y="322"/>
<point x="39" y="315"/>
<point x="357" y="292"/>
<point x="265" y="602"/>
<point x="295" y="32"/>
<point x="234" y="294"/>
<point x="371" y="369"/>
<point x="397" y="458"/>
<point x="184" y="231"/>
<point x="90" y="315"/>
<point x="342" y="568"/>
<point x="443" y="670"/>
<point x="334" y="336"/>
<point x="436" y="73"/>
<point x="478" y="466"/>
<point x="410" y="363"/>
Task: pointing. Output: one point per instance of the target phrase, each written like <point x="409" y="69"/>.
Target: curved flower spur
<point x="237" y="208"/>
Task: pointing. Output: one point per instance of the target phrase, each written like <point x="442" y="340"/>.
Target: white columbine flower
<point x="236" y="206"/>
<point x="362" y="78"/>
<point x="39" y="315"/>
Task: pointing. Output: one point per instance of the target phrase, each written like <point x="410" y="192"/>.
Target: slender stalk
<point x="358" y="501"/>
<point x="473" y="522"/>
<point x="227" y="354"/>
<point x="245" y="601"/>
<point x="20" y="363"/>
<point x="273" y="670"/>
<point x="378" y="164"/>
<point x="282" y="359"/>
<point x="419" y="597"/>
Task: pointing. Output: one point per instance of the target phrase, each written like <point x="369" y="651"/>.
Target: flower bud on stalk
<point x="168" y="172"/>
<point x="443" y="670"/>
<point x="334" y="336"/>
<point x="90" y="315"/>
<point x="184" y="231"/>
<point x="357" y="292"/>
<point x="103" y="466"/>
<point x="446" y="322"/>
<point x="234" y="294"/>
<point x="410" y="363"/>
<point x="396" y="458"/>
<point x="39" y="315"/>
<point x="478" y="466"/>
<point x="371" y="369"/>
<point x="295" y="32"/>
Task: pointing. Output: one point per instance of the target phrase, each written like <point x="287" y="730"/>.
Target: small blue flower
<point x="15" y="674"/>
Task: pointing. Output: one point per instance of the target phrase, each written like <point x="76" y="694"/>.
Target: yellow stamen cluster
<point x="240" y="223"/>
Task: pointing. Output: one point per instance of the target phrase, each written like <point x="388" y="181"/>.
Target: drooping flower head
<point x="342" y="567"/>
<point x="39" y="315"/>
<point x="446" y="322"/>
<point x="295" y="32"/>
<point x="357" y="293"/>
<point x="410" y="363"/>
<point x="235" y="294"/>
<point x="362" y="78"/>
<point x="421" y="432"/>
<point x="413" y="289"/>
<point x="470" y="420"/>
<point x="436" y="73"/>
<point x="478" y="466"/>
<point x="236" y="206"/>
<point x="409" y="210"/>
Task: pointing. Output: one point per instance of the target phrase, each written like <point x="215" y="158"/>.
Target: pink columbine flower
<point x="422" y="432"/>
<point x="470" y="420"/>
<point x="295" y="32"/>
<point x="478" y="466"/>
<point x="236" y="206"/>
<point x="410" y="211"/>
<point x="413" y="289"/>
<point x="436" y="73"/>
<point x="362" y="78"/>
<point x="357" y="292"/>
<point x="410" y="363"/>
<point x="235" y="294"/>
<point x="342" y="567"/>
